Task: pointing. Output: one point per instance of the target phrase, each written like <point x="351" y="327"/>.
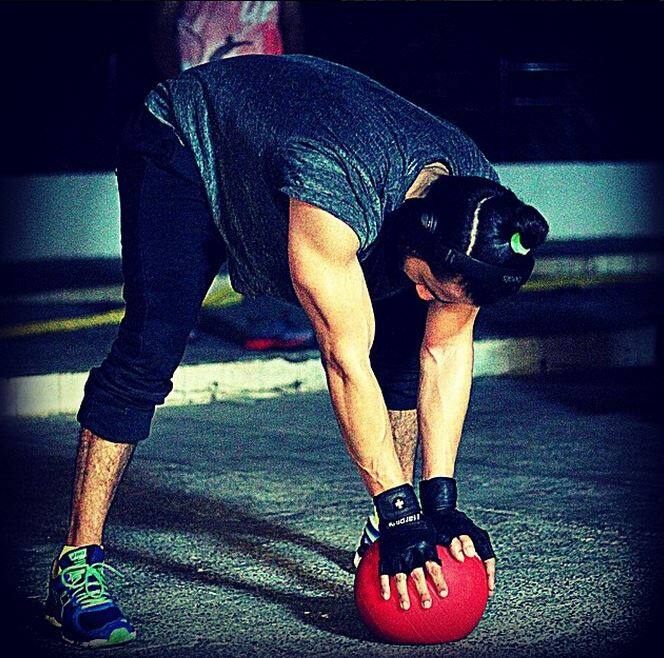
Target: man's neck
<point x="425" y="178"/>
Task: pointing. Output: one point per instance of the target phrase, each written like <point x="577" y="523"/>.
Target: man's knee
<point x="122" y="393"/>
<point x="112" y="415"/>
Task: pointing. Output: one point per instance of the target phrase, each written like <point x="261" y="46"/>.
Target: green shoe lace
<point x="87" y="583"/>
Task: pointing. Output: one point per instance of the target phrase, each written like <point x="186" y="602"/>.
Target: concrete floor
<point x="235" y="525"/>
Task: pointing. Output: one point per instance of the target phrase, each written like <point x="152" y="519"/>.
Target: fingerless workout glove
<point x="439" y="499"/>
<point x="407" y="537"/>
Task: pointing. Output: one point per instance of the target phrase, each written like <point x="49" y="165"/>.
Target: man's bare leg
<point x="405" y="432"/>
<point x="99" y="468"/>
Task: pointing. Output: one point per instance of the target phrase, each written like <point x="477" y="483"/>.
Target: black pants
<point x="171" y="252"/>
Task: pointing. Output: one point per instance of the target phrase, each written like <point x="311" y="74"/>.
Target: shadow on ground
<point x="146" y="505"/>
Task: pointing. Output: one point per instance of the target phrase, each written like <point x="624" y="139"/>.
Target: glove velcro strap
<point x="438" y="494"/>
<point x="397" y="507"/>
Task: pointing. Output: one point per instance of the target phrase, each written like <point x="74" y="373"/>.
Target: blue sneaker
<point x="369" y="535"/>
<point x="79" y="601"/>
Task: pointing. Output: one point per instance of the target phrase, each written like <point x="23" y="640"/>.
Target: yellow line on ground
<point x="62" y="324"/>
<point x="226" y="296"/>
<point x="217" y="299"/>
<point x="567" y="282"/>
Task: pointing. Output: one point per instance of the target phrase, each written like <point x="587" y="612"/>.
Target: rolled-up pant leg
<point x="395" y="355"/>
<point x="171" y="252"/>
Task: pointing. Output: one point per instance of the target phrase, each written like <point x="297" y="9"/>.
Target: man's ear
<point x="425" y="178"/>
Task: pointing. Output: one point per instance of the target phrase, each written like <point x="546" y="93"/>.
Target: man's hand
<point x="453" y="528"/>
<point x="407" y="545"/>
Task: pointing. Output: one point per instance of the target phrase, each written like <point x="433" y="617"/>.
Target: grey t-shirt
<point x="264" y="128"/>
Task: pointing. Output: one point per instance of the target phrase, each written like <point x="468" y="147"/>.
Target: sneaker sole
<point x="118" y="636"/>
<point x="53" y="621"/>
<point x="357" y="558"/>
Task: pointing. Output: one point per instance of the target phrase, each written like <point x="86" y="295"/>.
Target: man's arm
<point x="328" y="280"/>
<point x="446" y="370"/>
<point x="330" y="285"/>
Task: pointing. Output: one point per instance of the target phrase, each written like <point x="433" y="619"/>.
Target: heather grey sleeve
<point x="326" y="177"/>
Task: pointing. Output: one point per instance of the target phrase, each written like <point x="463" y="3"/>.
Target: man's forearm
<point x="445" y="382"/>
<point x="364" y="422"/>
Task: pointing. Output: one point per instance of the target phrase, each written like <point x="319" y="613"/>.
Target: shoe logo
<point x="399" y="503"/>
<point x="77" y="556"/>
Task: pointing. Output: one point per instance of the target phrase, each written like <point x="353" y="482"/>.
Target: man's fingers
<point x="490" y="566"/>
<point x="456" y="549"/>
<point x="467" y="546"/>
<point x="436" y="574"/>
<point x="421" y="585"/>
<point x="385" y="587"/>
<point x="401" y="581"/>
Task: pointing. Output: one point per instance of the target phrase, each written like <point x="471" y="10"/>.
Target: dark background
<point x="74" y="69"/>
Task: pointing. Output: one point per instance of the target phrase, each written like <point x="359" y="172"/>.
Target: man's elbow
<point x="345" y="360"/>
<point x="457" y="347"/>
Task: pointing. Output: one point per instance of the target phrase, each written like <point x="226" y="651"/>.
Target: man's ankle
<point x="56" y="564"/>
<point x="84" y="535"/>
<point x="68" y="548"/>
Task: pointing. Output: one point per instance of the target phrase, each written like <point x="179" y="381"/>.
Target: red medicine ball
<point x="448" y="619"/>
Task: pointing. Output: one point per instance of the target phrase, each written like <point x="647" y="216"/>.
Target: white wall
<point x="60" y="216"/>
<point x="74" y="216"/>
<point x="592" y="200"/>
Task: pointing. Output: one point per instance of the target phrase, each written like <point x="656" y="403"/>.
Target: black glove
<point x="407" y="537"/>
<point x="439" y="498"/>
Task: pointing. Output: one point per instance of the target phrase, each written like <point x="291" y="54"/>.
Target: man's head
<point x="469" y="240"/>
